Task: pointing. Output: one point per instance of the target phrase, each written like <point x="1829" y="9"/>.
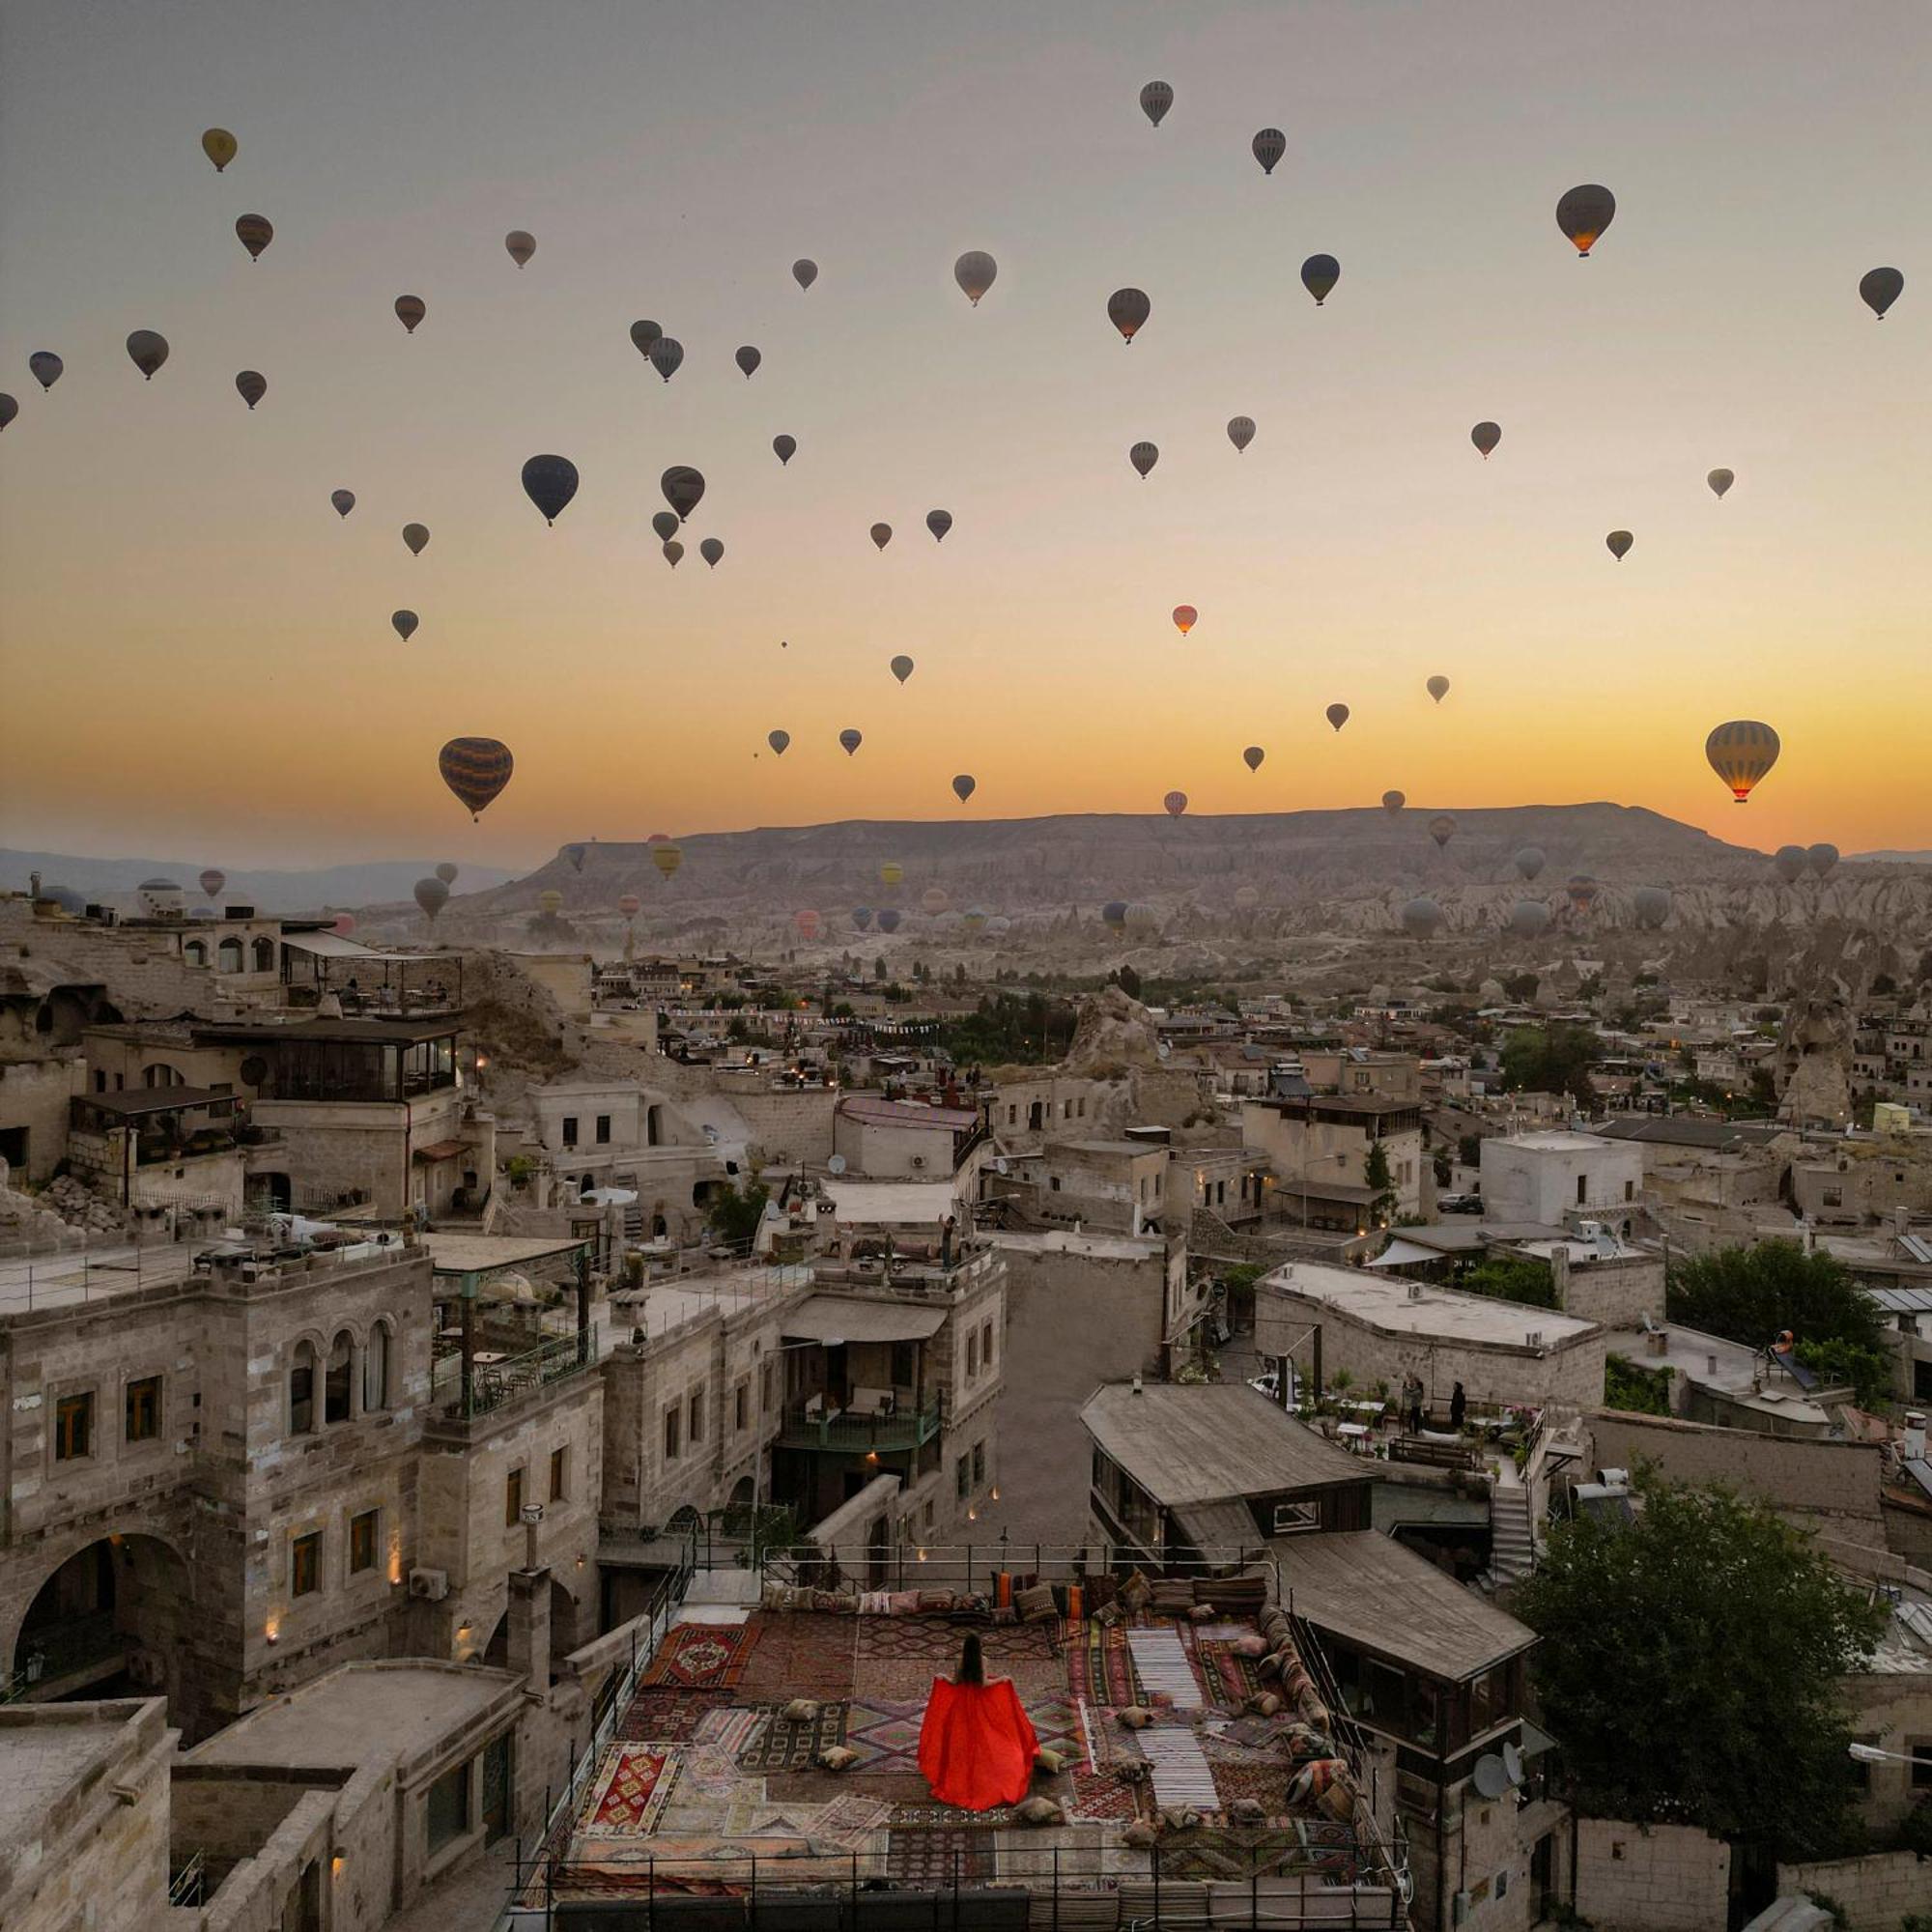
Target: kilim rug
<point x="948" y="1816"/>
<point x="850" y="1820"/>
<point x="784" y="1744"/>
<point x="630" y="1792"/>
<point x="702" y="1655"/>
<point x="1100" y="1793"/>
<point x="803" y="1653"/>
<point x="1230" y="1679"/>
<point x="939" y="1640"/>
<point x="940" y="1857"/>
<point x="731" y="1727"/>
<point x="668" y="1713"/>
<point x="886" y="1736"/>
<point x="1100" y="1666"/>
<point x="903" y="1681"/>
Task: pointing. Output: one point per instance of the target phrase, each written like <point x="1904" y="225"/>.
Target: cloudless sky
<point x="198" y="652"/>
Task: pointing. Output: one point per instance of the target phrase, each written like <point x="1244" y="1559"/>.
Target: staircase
<point x="1511" y="1547"/>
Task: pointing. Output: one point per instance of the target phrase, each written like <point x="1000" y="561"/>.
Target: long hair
<point x="972" y="1665"/>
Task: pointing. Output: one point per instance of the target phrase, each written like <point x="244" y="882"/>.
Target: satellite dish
<point x="836" y="1164"/>
<point x="1000" y="1165"/>
<point x="1513" y="1764"/>
<point x="1491" y="1779"/>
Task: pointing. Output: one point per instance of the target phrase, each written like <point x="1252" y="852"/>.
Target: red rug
<point x="1099" y="1667"/>
<point x="1230" y="1678"/>
<point x="668" y="1713"/>
<point x="698" y="1656"/>
<point x="803" y="1653"/>
<point x="630" y="1791"/>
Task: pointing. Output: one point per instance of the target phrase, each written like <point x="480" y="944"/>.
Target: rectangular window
<point x="693" y="1425"/>
<point x="978" y="1465"/>
<point x="603" y="1130"/>
<point x="963" y="1478"/>
<point x="986" y="1345"/>
<point x="903" y="1365"/>
<point x="570" y="1130"/>
<point x="673" y="1432"/>
<point x="448" y="1807"/>
<point x="1629" y="1191"/>
<point x="513" y="1497"/>
<point x="769" y="1396"/>
<point x="74" y="1427"/>
<point x="305" y="1564"/>
<point x="144" y="1409"/>
<point x="1921" y="1766"/>
<point x="971" y="1356"/>
<point x="362" y="1543"/>
<point x="559" y="1475"/>
<point x="741" y="1406"/>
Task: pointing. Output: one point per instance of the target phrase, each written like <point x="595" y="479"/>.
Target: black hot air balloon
<point x="784" y="447"/>
<point x="683" y="489"/>
<point x="1584" y="214"/>
<point x="1880" y="288"/>
<point x="1319" y="275"/>
<point x="252" y="386"/>
<point x="550" y="482"/>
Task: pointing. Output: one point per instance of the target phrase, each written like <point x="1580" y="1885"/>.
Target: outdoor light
<point x="274" y="1633"/>
<point x="464" y="1630"/>
<point x="995" y="1492"/>
<point x="1871" y="1755"/>
<point x="922" y="1555"/>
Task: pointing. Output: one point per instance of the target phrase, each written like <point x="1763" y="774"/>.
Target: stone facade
<point x="1650" y="1878"/>
<point x="34" y="1096"/>
<point x="1876" y="1893"/>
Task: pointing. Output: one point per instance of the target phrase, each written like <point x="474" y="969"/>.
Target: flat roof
<point x="1368" y="1589"/>
<point x="1206" y="1443"/>
<point x="1402" y="1305"/>
<point x="834" y="1318"/>
<point x="362" y="1033"/>
<point x="50" y="1749"/>
<point x="1674" y="1130"/>
<point x="153" y="1099"/>
<point x="477" y="1253"/>
<point x="1107" y="1146"/>
<point x="1550" y="1140"/>
<point x="892" y="1204"/>
<point x="334" y="946"/>
<point x="1065" y="1241"/>
<point x="1463" y="1234"/>
<point x="871" y="1110"/>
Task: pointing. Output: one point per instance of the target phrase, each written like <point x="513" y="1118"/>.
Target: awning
<point x="830" y="1318"/>
<point x="440" y="1150"/>
<point x="334" y="946"/>
<point x="1403" y="1253"/>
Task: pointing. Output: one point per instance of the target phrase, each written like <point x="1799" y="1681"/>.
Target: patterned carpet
<point x="702" y="1655"/>
<point x="1100" y="1794"/>
<point x="1236" y="1852"/>
<point x="784" y="1744"/>
<point x="670" y="1712"/>
<point x="905" y="1682"/>
<point x="1100" y="1666"/>
<point x="937" y="1640"/>
<point x="801" y="1655"/>
<point x="941" y="1856"/>
<point x="632" y="1789"/>
<point x="731" y="1729"/>
<point x="1230" y="1679"/>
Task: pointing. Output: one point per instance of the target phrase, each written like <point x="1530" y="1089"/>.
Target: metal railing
<point x="839" y="1432"/>
<point x="188" y="1882"/>
<point x="58" y="1650"/>
<point x="494" y="1385"/>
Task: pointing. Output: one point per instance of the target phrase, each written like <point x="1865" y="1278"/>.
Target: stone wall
<point x="33" y="1096"/>
<point x="1650" y="1878"/>
<point x="788" y="1127"/>
<point x="1876" y="1891"/>
<point x="1617" y="1295"/>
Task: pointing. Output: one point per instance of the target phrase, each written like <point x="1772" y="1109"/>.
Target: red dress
<point x="975" y="1746"/>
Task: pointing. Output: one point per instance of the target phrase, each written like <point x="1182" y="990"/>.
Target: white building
<point x="1551" y="1178"/>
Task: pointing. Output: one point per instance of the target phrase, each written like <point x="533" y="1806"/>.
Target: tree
<point x="1521" y="987"/>
<point x="879" y="967"/>
<point x="1689" y="1664"/>
<point x="1376" y="1176"/>
<point x="1469" y="1150"/>
<point x="1550" y="1060"/>
<point x="1752" y="1295"/>
<point x="1128" y="981"/>
<point x="735" y="1213"/>
<point x="1511" y="1278"/>
<point x="1628" y="1385"/>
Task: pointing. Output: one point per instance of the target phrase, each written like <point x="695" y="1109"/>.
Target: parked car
<point x="1459" y="1204"/>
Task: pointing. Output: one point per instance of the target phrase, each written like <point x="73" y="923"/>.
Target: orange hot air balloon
<point x="667" y="857"/>
<point x="1740" y="752"/>
<point x="629" y="906"/>
<point x="808" y="925"/>
<point x="475" y="770"/>
<point x="1185" y="617"/>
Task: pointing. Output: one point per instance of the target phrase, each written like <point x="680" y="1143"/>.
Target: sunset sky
<point x="198" y="651"/>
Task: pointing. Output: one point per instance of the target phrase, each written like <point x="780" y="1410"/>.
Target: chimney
<point x="1559" y="1273"/>
<point x="1657" y="1342"/>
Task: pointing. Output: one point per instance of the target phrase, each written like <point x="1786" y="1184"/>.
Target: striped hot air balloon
<point x="1740" y="752"/>
<point x="475" y="770"/>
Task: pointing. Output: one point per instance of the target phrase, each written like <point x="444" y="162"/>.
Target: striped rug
<point x="1180" y="1769"/>
<point x="1160" y="1662"/>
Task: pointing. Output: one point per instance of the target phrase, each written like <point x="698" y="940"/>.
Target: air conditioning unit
<point x="919" y="1160"/>
<point x="1416" y="1291"/>
<point x="432" y="1584"/>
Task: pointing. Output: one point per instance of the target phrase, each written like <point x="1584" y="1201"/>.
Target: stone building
<point x="1319" y="1148"/>
<point x="1554" y="1178"/>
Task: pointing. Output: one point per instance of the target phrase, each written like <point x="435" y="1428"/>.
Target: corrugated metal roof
<point x="1904" y="1300"/>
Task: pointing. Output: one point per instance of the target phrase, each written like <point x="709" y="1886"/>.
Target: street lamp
<point x="1872" y="1754"/>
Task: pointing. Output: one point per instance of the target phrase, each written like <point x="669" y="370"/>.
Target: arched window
<point x="196" y="953"/>
<point x="265" y="956"/>
<point x="301" y="1390"/>
<point x="376" y="1369"/>
<point x="161" y="1074"/>
<point x="336" y="1393"/>
<point x="228" y="956"/>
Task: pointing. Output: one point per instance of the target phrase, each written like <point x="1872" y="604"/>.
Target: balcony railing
<point x="839" y="1433"/>
<point x="57" y="1650"/>
<point x="494" y="1385"/>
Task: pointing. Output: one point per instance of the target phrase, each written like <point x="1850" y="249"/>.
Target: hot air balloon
<point x="220" y="146"/>
<point x="785" y="448"/>
<point x="807" y="924"/>
<point x="1393" y="802"/>
<point x="974" y="271"/>
<point x="1115" y="914"/>
<point x="747" y="360"/>
<point x="889" y="919"/>
<point x="447" y="872"/>
<point x="804" y="271"/>
<point x="778" y="741"/>
<point x="683" y="489"/>
<point x="673" y="552"/>
<point x="976" y="918"/>
<point x="1156" y="97"/>
<point x="550" y="482"/>
<point x="432" y="895"/>
<point x="1142" y="921"/>
<point x="1652" y="905"/>
<point x="1252" y="757"/>
<point x="1128" y="309"/>
<point x="939" y="522"/>
<point x="1821" y="858"/>
<point x="711" y="551"/>
<point x="1740" y="752"/>
<point x="1720" y="481"/>
<point x="252" y="386"/>
<point x="1880" y="288"/>
<point x="1441" y="829"/>
<point x="862" y="918"/>
<point x="211" y="882"/>
<point x="1144" y="456"/>
<point x="1788" y="862"/>
<point x="1530" y="861"/>
<point x="892" y="874"/>
<point x="416" y="535"/>
<point x="549" y="902"/>
<point x="575" y="854"/>
<point x="665" y="524"/>
<point x="851" y="740"/>
<point x="343" y="499"/>
<point x="148" y="351"/>
<point x="964" y="786"/>
<point x="1437" y="687"/>
<point x="1175" y="804"/>
<point x="409" y="310"/>
<point x="343" y="923"/>
<point x="1319" y="275"/>
<point x="1618" y="544"/>
<point x="254" y="231"/>
<point x="901" y="667"/>
<point x="1240" y="431"/>
<point x="1269" y="146"/>
<point x="630" y="904"/>
<point x="1486" y="435"/>
<point x="1584" y="214"/>
<point x="1185" y="617"/>
<point x="406" y="622"/>
<point x="521" y="245"/>
<point x="8" y="408"/>
<point x="1337" y="715"/>
<point x="1420" y="917"/>
<point x="45" y="367"/>
<point x="475" y="770"/>
<point x="882" y="534"/>
<point x="666" y="354"/>
<point x="1528" y="918"/>
<point x="642" y="335"/>
<point x="667" y="857"/>
<point x="1247" y="896"/>
<point x="1582" y="891"/>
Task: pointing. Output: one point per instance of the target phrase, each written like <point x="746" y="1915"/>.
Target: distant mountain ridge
<point x="354" y="884"/>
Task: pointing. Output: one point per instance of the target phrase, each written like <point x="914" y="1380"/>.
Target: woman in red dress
<point x="975" y="1746"/>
